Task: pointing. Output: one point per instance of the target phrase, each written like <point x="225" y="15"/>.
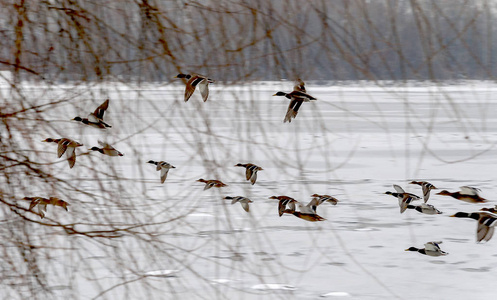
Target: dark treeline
<point x="61" y="40"/>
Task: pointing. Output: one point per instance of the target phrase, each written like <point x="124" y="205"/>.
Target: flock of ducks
<point x="486" y="217"/>
<point x="192" y="81"/>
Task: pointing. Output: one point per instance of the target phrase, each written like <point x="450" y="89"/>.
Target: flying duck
<point x="486" y="223"/>
<point x="297" y="97"/>
<point x="212" y="183"/>
<point x="430" y="249"/>
<point x="43" y="202"/>
<point x="163" y="167"/>
<point x="251" y="171"/>
<point x="194" y="80"/>
<point x="404" y="198"/>
<point x="426" y="186"/>
<point x="242" y="200"/>
<point x="96" y="118"/>
<point x="106" y="149"/>
<point x="467" y="194"/>
<point x="65" y="146"/>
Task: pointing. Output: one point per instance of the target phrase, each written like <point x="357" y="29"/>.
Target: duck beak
<point x="452" y="216"/>
<point x="406" y="250"/>
<point x="275" y="95"/>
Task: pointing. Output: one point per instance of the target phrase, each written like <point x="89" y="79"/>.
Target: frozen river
<point x="177" y="241"/>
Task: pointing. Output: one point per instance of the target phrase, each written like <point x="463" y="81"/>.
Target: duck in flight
<point x="404" y="198"/>
<point x="194" y="80"/>
<point x="242" y="200"/>
<point x="43" y="202"/>
<point x="106" y="149"/>
<point x="297" y="97"/>
<point x="96" y="118"/>
<point x="67" y="146"/>
<point x="486" y="223"/>
<point x="251" y="171"/>
<point x="430" y="249"/>
<point x="467" y="194"/>
<point x="163" y="167"/>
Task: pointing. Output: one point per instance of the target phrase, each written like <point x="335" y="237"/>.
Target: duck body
<point x="283" y="202"/>
<point x="212" y="183"/>
<point x="242" y="200"/>
<point x="163" y="167"/>
<point x="43" y="202"/>
<point x="325" y="198"/>
<point x="425" y="209"/>
<point x="250" y="172"/>
<point x="297" y="97"/>
<point x="194" y="80"/>
<point x="311" y="217"/>
<point x="430" y="249"/>
<point x="467" y="194"/>
<point x="426" y="187"/>
<point x="65" y="145"/>
<point x="106" y="149"/>
<point x="404" y="198"/>
<point x="96" y="118"/>
<point x="486" y="223"/>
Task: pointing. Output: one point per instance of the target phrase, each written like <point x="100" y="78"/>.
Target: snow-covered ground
<point x="353" y="143"/>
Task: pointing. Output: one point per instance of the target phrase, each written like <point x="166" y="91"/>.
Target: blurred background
<point x="405" y="91"/>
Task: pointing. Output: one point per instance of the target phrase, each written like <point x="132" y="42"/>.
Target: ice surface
<point x="353" y="143"/>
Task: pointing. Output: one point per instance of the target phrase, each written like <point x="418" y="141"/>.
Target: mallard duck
<point x="297" y="97"/>
<point x="426" y="186"/>
<point x="242" y="200"/>
<point x="486" y="223"/>
<point x="195" y="80"/>
<point x="283" y="202"/>
<point x="43" y="202"/>
<point x="404" y="198"/>
<point x="163" y="167"/>
<point x="212" y="183"/>
<point x="325" y="198"/>
<point x="96" y="118"/>
<point x="467" y="194"/>
<point x="65" y="146"/>
<point x="425" y="209"/>
<point x="251" y="171"/>
<point x="311" y="217"/>
<point x="106" y="149"/>
<point x="430" y="249"/>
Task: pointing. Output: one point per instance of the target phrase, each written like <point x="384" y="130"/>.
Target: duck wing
<point x="299" y="85"/>
<point x="99" y="112"/>
<point x="203" y="87"/>
<point x="61" y="148"/>
<point x="484" y="233"/>
<point x="293" y="109"/>
<point x="71" y="156"/>
<point x="469" y="190"/>
<point x="426" y="191"/>
<point x="245" y="206"/>
<point x="398" y="189"/>
<point x="163" y="174"/>
<point x="432" y="246"/>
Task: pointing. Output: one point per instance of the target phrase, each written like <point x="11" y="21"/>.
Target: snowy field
<point x="353" y="143"/>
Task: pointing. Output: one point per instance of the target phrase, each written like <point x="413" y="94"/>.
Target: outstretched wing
<point x="469" y="190"/>
<point x="61" y="149"/>
<point x="245" y="206"/>
<point x="293" y="109"/>
<point x="203" y="87"/>
<point x="398" y="189"/>
<point x="99" y="112"/>
<point x="71" y="156"/>
<point x="163" y="174"/>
